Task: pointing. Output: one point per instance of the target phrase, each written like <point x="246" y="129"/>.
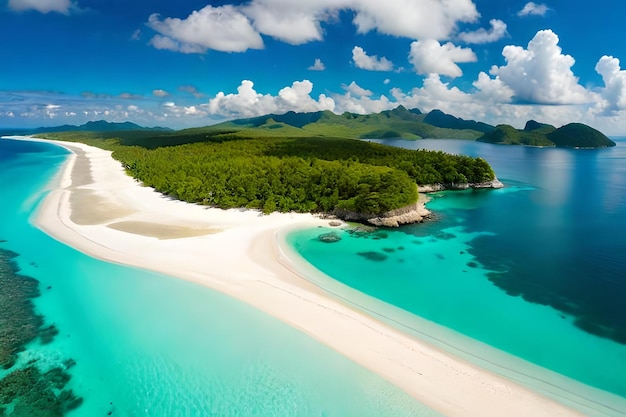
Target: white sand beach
<point x="95" y="207"/>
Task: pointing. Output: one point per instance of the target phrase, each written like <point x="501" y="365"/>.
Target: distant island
<point x="572" y="135"/>
<point x="94" y="126"/>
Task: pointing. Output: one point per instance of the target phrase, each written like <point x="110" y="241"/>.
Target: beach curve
<point x="239" y="255"/>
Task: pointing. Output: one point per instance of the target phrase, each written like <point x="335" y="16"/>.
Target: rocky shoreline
<point x="413" y="213"/>
<point x="431" y="188"/>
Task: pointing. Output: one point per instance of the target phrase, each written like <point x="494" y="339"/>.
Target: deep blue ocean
<point x="146" y="344"/>
<point x="537" y="269"/>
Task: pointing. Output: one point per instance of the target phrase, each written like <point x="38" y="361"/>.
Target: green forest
<point x="283" y="174"/>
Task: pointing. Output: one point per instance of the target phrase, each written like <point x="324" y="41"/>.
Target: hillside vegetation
<point x="396" y="123"/>
<point x="303" y="174"/>
<point x="573" y="135"/>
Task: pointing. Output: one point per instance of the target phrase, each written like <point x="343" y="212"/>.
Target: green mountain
<point x="397" y="123"/>
<point x="573" y="135"/>
<point x="97" y="126"/>
<point x="440" y="119"/>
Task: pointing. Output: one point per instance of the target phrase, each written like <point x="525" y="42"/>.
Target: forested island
<point x="349" y="178"/>
<point x="572" y="135"/>
<point x="311" y="162"/>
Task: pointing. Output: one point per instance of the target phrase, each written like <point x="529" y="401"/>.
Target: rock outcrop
<point x="431" y="188"/>
<point x="413" y="213"/>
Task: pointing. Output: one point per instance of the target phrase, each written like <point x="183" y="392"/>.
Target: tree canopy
<point x="287" y="174"/>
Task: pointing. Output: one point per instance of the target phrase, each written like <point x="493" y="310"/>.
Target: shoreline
<point x="240" y="254"/>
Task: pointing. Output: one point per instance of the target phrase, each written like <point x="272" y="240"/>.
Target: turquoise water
<point x="535" y="269"/>
<point x="150" y="345"/>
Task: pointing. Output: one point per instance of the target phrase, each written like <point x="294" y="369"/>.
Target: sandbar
<point x="95" y="207"/>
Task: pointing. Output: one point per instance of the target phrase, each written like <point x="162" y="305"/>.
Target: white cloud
<point x="298" y="98"/>
<point x="416" y="19"/>
<point x="386" y="81"/>
<point x="430" y="57"/>
<point x="371" y="63"/>
<point x="541" y="73"/>
<point x="42" y="6"/>
<point x="362" y="105"/>
<point x="614" y="92"/>
<point x="222" y="28"/>
<point x="495" y="33"/>
<point x="247" y="102"/>
<point x="171" y="110"/>
<point x="291" y="22"/>
<point x="318" y="65"/>
<point x="299" y="21"/>
<point x="533" y="9"/>
<point x="160" y="93"/>
<point x="434" y="94"/>
<point x="238" y="28"/>
<point x="169" y="44"/>
<point x="193" y="90"/>
<point x="492" y="89"/>
<point x="356" y="90"/>
<point x="136" y="35"/>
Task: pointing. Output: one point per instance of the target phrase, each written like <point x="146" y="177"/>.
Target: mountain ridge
<point x="397" y="123"/>
<point x="91" y="126"/>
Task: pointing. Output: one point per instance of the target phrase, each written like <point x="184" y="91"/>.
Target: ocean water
<point x="536" y="269"/>
<point x="146" y="344"/>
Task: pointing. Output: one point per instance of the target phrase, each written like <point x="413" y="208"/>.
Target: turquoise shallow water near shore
<point x="151" y="345"/>
<point x="535" y="269"/>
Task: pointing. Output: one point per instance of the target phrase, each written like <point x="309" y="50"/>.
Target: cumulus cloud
<point x="238" y="28"/>
<point x="318" y="65"/>
<point x="222" y="28"/>
<point x="533" y="9"/>
<point x="416" y="19"/>
<point x="541" y="73"/>
<point x="434" y="94"/>
<point x="371" y="63"/>
<point x="356" y="90"/>
<point x="492" y="89"/>
<point x="614" y="91"/>
<point x="299" y="21"/>
<point x="160" y="93"/>
<point x="247" y="102"/>
<point x="363" y="104"/>
<point x="430" y="57"/>
<point x="495" y="33"/>
<point x="291" y="22"/>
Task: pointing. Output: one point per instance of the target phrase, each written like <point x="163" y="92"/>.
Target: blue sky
<point x="193" y="63"/>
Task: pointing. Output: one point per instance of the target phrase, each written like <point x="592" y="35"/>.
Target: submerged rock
<point x="373" y="256"/>
<point x="330" y="237"/>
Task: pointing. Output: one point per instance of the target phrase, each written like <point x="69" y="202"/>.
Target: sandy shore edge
<point x="240" y="256"/>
